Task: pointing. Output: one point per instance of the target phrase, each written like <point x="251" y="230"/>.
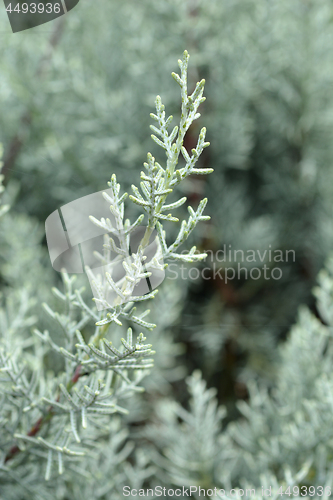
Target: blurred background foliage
<point x="75" y="99"/>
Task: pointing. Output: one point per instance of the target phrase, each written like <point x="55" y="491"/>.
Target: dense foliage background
<point x="75" y="99"/>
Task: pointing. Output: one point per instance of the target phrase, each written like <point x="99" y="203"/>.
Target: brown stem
<point x="33" y="431"/>
<point x="47" y="417"/>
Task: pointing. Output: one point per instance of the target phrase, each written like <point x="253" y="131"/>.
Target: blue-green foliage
<point x="80" y="111"/>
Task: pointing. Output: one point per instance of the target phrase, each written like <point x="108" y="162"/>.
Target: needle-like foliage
<point x="58" y="418"/>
